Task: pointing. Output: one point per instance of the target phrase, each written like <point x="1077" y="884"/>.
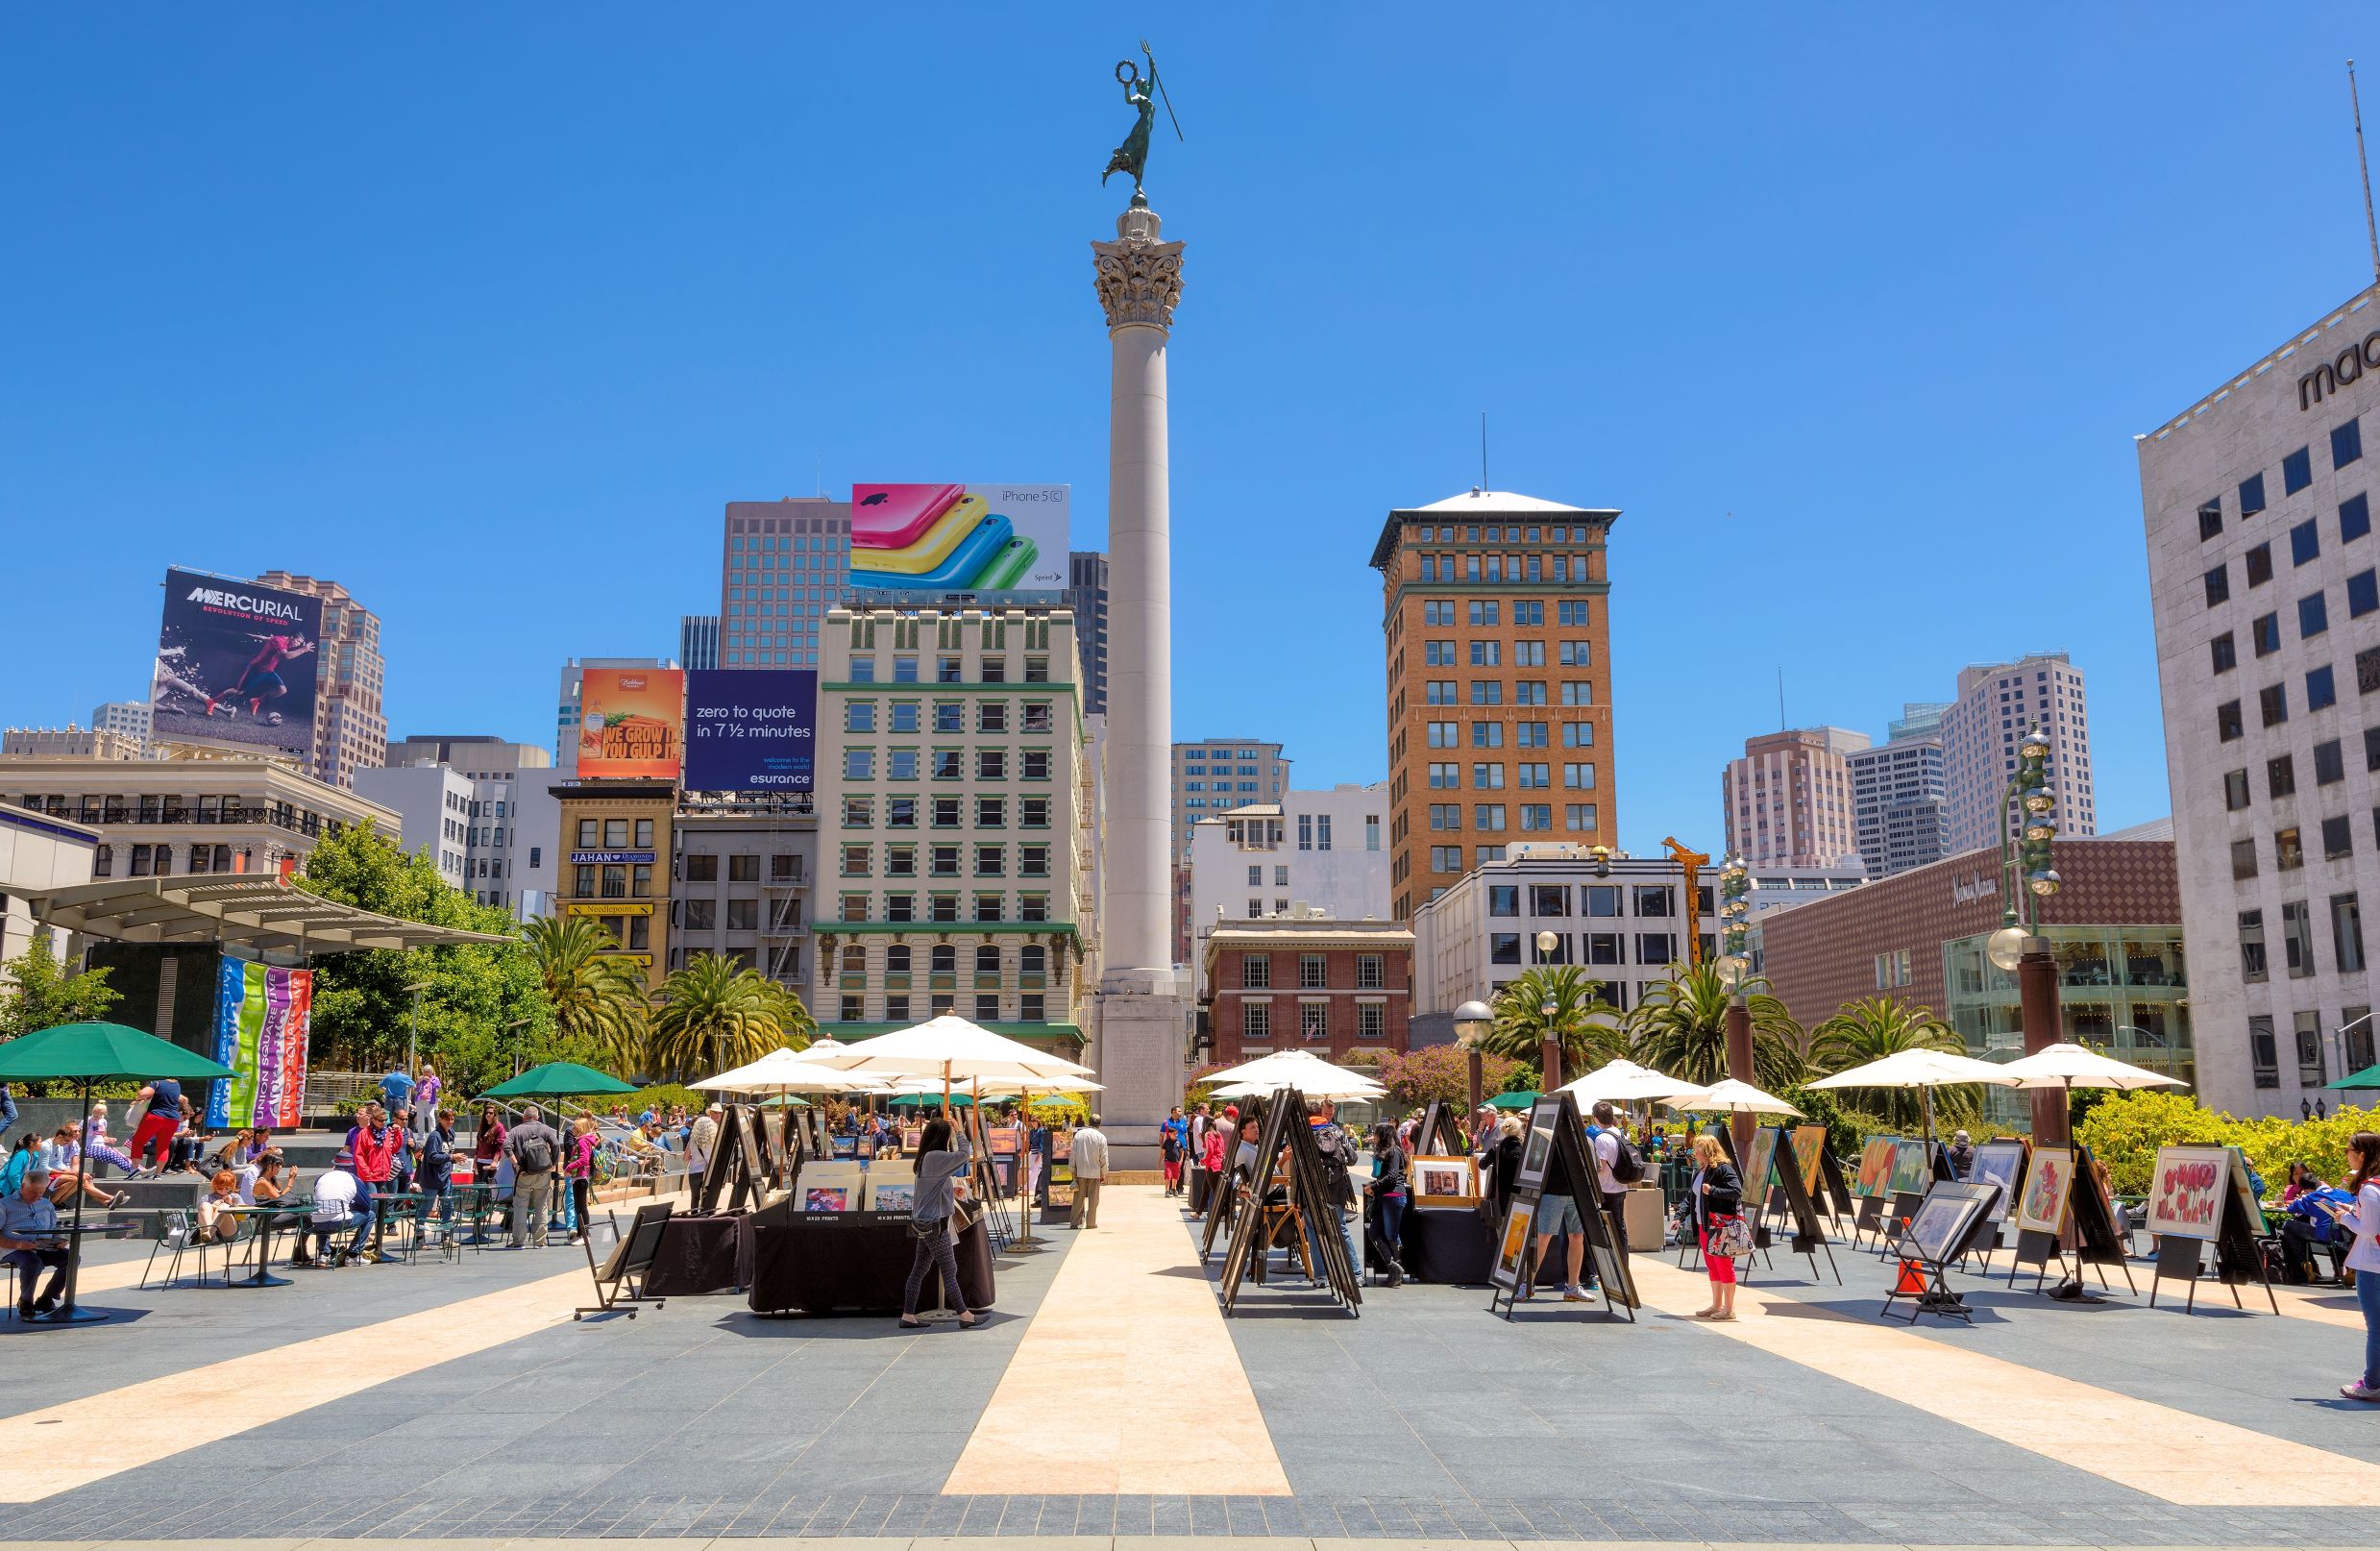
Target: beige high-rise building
<point x="1788" y="800"/>
<point x="351" y="729"/>
<point x="1996" y="705"/>
<point x="783" y="564"/>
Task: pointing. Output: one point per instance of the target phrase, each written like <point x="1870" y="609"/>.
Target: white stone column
<point x="1140" y="1007"/>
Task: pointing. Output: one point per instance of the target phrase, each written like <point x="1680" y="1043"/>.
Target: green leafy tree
<point x="1680" y="1027"/>
<point x="596" y="995"/>
<point x="42" y="993"/>
<point x="1442" y="1073"/>
<point x="716" y="1014"/>
<point x="479" y="1005"/>
<point x="1577" y="1019"/>
<point x="1874" y="1027"/>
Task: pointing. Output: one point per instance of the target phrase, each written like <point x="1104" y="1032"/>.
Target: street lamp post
<point x="413" y="1034"/>
<point x="1472" y="1020"/>
<point x="1733" y="970"/>
<point x="2018" y="948"/>
<point x="1550" y="1046"/>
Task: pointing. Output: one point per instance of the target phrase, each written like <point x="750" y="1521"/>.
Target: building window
<point x="2262" y="1053"/>
<point x="1504" y="947"/>
<point x="2217" y="585"/>
<point x="1370" y="971"/>
<point x="2362" y="593"/>
<point x="1313" y="1022"/>
<point x="1256" y="971"/>
<point x="2313" y="616"/>
<point x="2337" y="838"/>
<point x="2227" y="724"/>
<point x="2252" y="966"/>
<point x="742" y="915"/>
<point x="2288" y="853"/>
<point x="2264" y="633"/>
<point x="2235" y="790"/>
<point x="2210" y="520"/>
<point x="1504" y="900"/>
<point x="2281" y="775"/>
<point x="1256" y="1023"/>
<point x="2330" y="765"/>
<point x="2346" y="443"/>
<point x="2321" y="689"/>
<point x="2296" y="470"/>
<point x="1371" y="1021"/>
<point x="2298" y="939"/>
<point x="2272" y="704"/>
<point x="2354" y="522"/>
<point x="2304" y="543"/>
<point x="2259" y="564"/>
<point x="2251" y="495"/>
<point x="2311" y="1072"/>
<point x="2243" y="859"/>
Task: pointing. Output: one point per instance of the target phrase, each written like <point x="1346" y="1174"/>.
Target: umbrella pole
<point x="68" y="1313"/>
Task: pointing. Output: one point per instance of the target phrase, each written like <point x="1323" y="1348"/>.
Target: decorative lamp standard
<point x="1550" y="1047"/>
<point x="2018" y="948"/>
<point x="1472" y="1020"/>
<point x="1735" y="907"/>
<point x="1733" y="970"/>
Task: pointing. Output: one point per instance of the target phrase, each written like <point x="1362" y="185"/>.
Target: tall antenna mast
<point x="1780" y="700"/>
<point x="1483" y="449"/>
<point x="2363" y="164"/>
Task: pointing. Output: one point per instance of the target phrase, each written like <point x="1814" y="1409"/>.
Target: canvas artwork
<point x="1809" y="1146"/>
<point x="2041" y="1206"/>
<point x="1759" y="1166"/>
<point x="1941" y="1220"/>
<point x="1006" y="1139"/>
<point x="2186" y="1192"/>
<point x="1443" y="1181"/>
<point x="843" y="1147"/>
<point x="1512" y="1251"/>
<point x="1876" y="1167"/>
<point x="1911" y="1174"/>
<point x="2002" y="1164"/>
<point x="892" y="1197"/>
<point x="1061" y="1142"/>
<point x="826" y="1198"/>
<point x="912" y="1138"/>
<point x="1533" y="1155"/>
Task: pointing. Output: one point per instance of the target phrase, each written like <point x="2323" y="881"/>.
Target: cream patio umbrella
<point x="2066" y="1066"/>
<point x="1622" y="1080"/>
<point x="948" y="1049"/>
<point x="785" y="1071"/>
<point x="1309" y="1073"/>
<point x="1733" y="1095"/>
<point x="1925" y="1071"/>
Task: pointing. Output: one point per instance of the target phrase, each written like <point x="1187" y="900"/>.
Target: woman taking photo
<point x="2363" y="1220"/>
<point x="1716" y="1195"/>
<point x="942" y="1185"/>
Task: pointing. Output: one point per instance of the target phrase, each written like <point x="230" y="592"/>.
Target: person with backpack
<point x="1617" y="1167"/>
<point x="534" y="1149"/>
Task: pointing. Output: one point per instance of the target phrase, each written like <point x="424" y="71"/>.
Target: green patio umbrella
<point x="85" y="1053"/>
<point x="925" y="1101"/>
<point x="2369" y="1077"/>
<point x="1519" y="1100"/>
<point x="558" y="1079"/>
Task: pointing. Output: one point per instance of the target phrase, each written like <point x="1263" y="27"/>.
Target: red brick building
<point x="1308" y="983"/>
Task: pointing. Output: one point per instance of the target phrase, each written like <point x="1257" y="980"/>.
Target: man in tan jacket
<point x="1090" y="1169"/>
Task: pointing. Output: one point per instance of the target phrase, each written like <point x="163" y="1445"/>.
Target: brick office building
<point x="2114" y="927"/>
<point x="1307" y="982"/>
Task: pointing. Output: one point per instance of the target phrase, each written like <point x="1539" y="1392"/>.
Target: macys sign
<point x="2331" y="376"/>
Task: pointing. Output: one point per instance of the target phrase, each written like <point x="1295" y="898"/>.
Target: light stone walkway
<point x="57" y="1448"/>
<point x="1130" y="1316"/>
<point x="2185" y="1459"/>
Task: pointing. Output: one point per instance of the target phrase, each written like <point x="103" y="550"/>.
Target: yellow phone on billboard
<point x="932" y="547"/>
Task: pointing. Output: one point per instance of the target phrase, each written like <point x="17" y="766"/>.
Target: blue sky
<point x="1853" y="311"/>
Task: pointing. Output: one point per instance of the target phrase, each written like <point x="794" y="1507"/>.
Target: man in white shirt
<point x="1605" y="1136"/>
<point x="1089" y="1170"/>
<point x="336" y="1209"/>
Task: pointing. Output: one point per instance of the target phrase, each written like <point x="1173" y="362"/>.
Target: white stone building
<point x="1898" y="795"/>
<point x="954" y="800"/>
<point x="1312" y="853"/>
<point x="1622" y="918"/>
<point x="37" y="852"/>
<point x="507" y="820"/>
<point x="2266" y="603"/>
<point x="1996" y="705"/>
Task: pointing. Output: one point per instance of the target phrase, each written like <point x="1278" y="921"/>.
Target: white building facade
<point x="1996" y="705"/>
<point x="2267" y="603"/>
<point x="37" y="852"/>
<point x="1310" y="852"/>
<point x="1622" y="918"/>
<point x="509" y="817"/>
<point x="1897" y="796"/>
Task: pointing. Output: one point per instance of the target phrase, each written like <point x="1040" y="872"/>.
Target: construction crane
<point x="1691" y="863"/>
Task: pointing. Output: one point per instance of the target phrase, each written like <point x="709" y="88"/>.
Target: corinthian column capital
<point x="1138" y="277"/>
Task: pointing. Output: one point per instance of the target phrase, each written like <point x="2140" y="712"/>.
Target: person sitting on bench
<point x="336" y="1209"/>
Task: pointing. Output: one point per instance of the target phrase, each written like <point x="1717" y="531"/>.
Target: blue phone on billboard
<point x="923" y="538"/>
<point x="751" y="730"/>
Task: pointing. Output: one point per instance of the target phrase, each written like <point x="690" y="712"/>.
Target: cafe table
<point x="266" y="1214"/>
<point x="66" y="1312"/>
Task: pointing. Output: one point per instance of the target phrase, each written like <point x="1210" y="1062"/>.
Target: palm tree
<point x="1874" y="1027"/>
<point x="1522" y="1024"/>
<point x="597" y="996"/>
<point x="796" y="1027"/>
<point x="1680" y="1026"/>
<point x="716" y="1012"/>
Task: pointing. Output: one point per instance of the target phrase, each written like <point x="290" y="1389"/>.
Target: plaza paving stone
<point x="1427" y="1419"/>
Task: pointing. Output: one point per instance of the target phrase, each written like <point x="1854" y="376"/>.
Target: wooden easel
<point x="1306" y="1196"/>
<point x="1568" y="1164"/>
<point x="2238" y="1261"/>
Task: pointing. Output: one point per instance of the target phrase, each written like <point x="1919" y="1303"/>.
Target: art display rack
<point x="1306" y="1208"/>
<point x="1566" y="1159"/>
<point x="2094" y="1230"/>
<point x="1789" y="1207"/>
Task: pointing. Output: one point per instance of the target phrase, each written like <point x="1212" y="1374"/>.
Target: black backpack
<point x="1627" y="1167"/>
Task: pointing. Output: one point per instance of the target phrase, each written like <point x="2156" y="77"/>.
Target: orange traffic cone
<point x="1912" y="1283"/>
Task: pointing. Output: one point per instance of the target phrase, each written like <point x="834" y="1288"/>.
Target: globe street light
<point x="2018" y="948"/>
<point x="1472" y="1020"/>
<point x="1550" y="1046"/>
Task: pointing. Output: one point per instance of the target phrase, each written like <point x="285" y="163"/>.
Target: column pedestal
<point x="1143" y="1017"/>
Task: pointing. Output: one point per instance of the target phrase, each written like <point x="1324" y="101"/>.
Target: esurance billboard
<point x="632" y="723"/>
<point x="751" y="730"/>
<point x="235" y="664"/>
<point x="945" y="538"/>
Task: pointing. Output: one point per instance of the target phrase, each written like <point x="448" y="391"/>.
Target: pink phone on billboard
<point x="893" y="516"/>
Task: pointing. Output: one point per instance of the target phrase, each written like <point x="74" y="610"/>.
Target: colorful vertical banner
<point x="263" y="1019"/>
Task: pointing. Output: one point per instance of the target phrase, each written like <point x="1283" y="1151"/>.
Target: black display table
<point x="851" y="1263"/>
<point x="699" y="1255"/>
<point x="1448" y="1244"/>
